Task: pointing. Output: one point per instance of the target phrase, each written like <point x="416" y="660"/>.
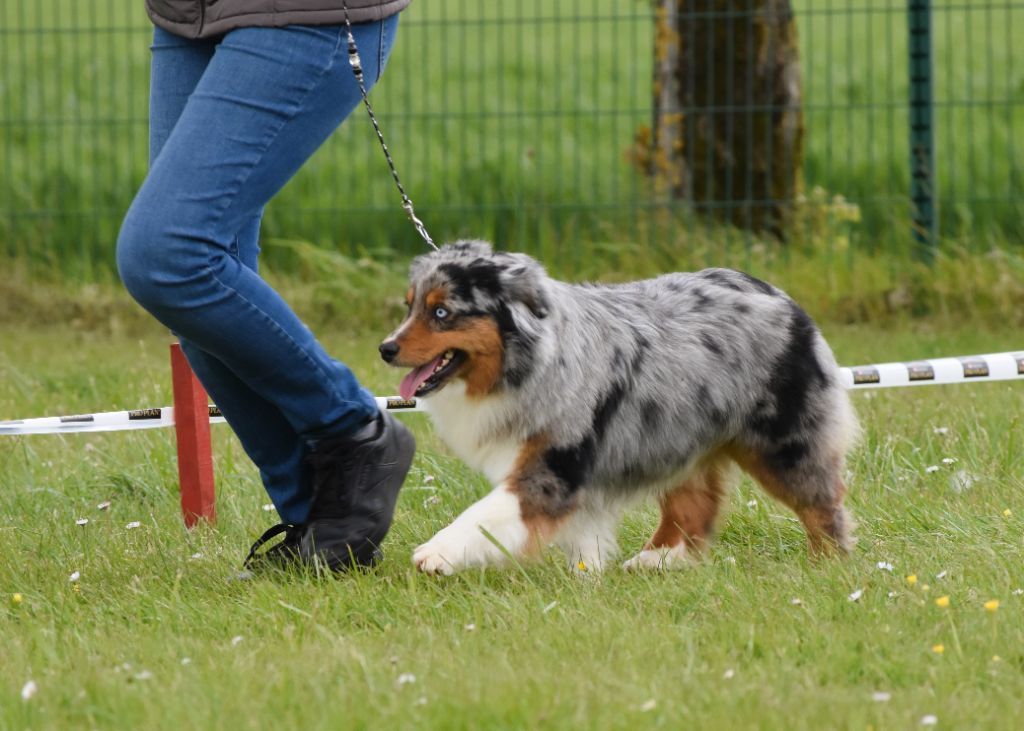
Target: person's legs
<point x="270" y="441"/>
<point x="175" y="70"/>
<point x="265" y="101"/>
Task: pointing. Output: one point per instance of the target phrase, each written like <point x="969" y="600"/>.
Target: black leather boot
<point x="356" y="480"/>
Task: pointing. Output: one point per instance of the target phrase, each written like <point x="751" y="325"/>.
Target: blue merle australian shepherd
<point x="578" y="400"/>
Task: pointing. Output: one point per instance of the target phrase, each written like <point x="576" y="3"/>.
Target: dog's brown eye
<point x="441" y="313"/>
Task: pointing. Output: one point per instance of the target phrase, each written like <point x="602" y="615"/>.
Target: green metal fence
<point x="520" y="122"/>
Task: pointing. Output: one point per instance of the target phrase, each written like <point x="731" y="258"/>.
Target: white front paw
<point x="432" y="557"/>
<point x="464" y="543"/>
<point x="457" y="547"/>
<point x="659" y="558"/>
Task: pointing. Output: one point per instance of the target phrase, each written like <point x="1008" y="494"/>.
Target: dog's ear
<point x="524" y="279"/>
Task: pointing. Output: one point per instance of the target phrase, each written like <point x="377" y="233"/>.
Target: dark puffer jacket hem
<point x="197" y="19"/>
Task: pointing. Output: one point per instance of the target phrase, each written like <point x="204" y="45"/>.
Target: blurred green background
<point x="514" y="122"/>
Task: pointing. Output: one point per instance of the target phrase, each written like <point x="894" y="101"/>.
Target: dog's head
<point x="474" y="314"/>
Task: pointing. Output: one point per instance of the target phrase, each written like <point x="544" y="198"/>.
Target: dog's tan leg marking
<point x="688" y="515"/>
<point x="827" y="522"/>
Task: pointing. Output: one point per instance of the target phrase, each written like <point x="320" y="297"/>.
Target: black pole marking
<point x="920" y="370"/>
<point x="865" y="375"/>
<point x="975" y="367"/>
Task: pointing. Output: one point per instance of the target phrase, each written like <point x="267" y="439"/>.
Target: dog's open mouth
<point x="430" y="377"/>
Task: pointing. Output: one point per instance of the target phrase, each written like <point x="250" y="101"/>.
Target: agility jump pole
<point x="191" y="414"/>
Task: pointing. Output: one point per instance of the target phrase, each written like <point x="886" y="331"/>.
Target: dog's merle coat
<point x="607" y="392"/>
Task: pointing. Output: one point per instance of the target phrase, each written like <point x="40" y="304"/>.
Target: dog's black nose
<point x="388" y="350"/>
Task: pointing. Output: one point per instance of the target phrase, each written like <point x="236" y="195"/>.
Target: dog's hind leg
<point x="813" y="488"/>
<point x="688" y="516"/>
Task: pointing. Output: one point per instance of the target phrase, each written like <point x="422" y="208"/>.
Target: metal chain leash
<point x="357" y="69"/>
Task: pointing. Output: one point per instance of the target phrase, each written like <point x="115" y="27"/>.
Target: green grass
<point x="515" y="129"/>
<point x="512" y="121"/>
<point x="547" y="649"/>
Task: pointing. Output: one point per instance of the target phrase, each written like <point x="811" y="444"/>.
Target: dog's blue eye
<point x="440" y="313"/>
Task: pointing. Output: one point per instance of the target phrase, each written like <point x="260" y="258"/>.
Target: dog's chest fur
<point x="474" y="429"/>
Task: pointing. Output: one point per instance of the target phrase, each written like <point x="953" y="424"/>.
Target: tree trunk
<point x="727" y="132"/>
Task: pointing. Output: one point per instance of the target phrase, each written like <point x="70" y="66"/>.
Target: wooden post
<point x="195" y="450"/>
<point x="728" y="129"/>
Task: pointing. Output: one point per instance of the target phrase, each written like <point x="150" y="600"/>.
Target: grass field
<point x="512" y="121"/>
<point x="157" y="634"/>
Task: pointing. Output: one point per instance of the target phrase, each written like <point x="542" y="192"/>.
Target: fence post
<point x="922" y="156"/>
<point x="195" y="451"/>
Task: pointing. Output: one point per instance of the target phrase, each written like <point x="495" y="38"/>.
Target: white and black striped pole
<point x="192" y="415"/>
<point x="141" y="419"/>
<point x="938" y="371"/>
<point x="963" y="369"/>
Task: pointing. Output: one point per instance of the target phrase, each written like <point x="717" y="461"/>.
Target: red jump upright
<point x="195" y="450"/>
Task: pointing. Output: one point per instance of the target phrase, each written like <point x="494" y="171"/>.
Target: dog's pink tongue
<point x="415" y="378"/>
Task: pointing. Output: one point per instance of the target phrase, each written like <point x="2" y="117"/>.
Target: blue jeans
<point x="231" y="121"/>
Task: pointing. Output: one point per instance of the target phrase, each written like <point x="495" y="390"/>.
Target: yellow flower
<point x="1007" y="513"/>
<point x="942" y="601"/>
<point x="16" y="598"/>
<point x="581" y="566"/>
<point x="938" y="649"/>
<point x="925" y="587"/>
<point x="996" y="658"/>
<point x="912" y="579"/>
<point x="992" y="605"/>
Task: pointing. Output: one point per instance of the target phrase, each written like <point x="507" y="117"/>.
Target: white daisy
<point x="28" y="690"/>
